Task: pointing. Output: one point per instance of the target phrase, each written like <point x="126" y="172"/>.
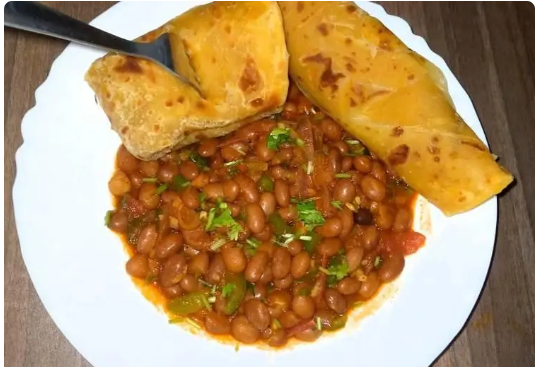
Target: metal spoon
<point x="38" y="18"/>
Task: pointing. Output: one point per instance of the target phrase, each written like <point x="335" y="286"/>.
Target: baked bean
<point x="119" y="222"/>
<point x="326" y="317"/>
<point x="344" y="191"/>
<point x="267" y="201"/>
<point x="392" y="265"/>
<point x="201" y="180"/>
<point x="190" y="197"/>
<point x="309" y="335"/>
<point x="243" y="331"/>
<point x="149" y="168"/>
<point x="354" y="257"/>
<point x="289" y="319"/>
<point x="136" y="179"/>
<point x="348" y="286"/>
<point x="295" y="247"/>
<point x="281" y="263"/>
<point x="255" y="218"/>
<point x="347" y="219"/>
<point x="248" y="189"/>
<point x="266" y="234"/>
<point x="329" y="247"/>
<point x="256" y="266"/>
<point x="119" y="184"/>
<point x="220" y="305"/>
<point x="260" y="290"/>
<point x="402" y="221"/>
<point x="278" y="172"/>
<point x="335" y="300"/>
<point x="363" y="163"/>
<point x="284" y="283"/>
<point x="363" y="216"/>
<point x="373" y="188"/>
<point x="257" y="313"/>
<point x="342" y="146"/>
<point x="216" y="324"/>
<point x="231" y="189"/>
<point x="216" y="270"/>
<point x="213" y="191"/>
<point x="300" y="264"/>
<point x="234" y="258"/>
<point x="278" y="338"/>
<point x="169" y="196"/>
<point x="331" y="129"/>
<point x="167" y="172"/>
<point x="154" y="266"/>
<point x="289" y="213"/>
<point x="279" y="301"/>
<point x="268" y="247"/>
<point x="235" y="209"/>
<point x="147" y="196"/>
<point x="331" y="228"/>
<point x="303" y="306"/>
<point x="369" y="237"/>
<point x="267" y="276"/>
<point x="169" y="245"/>
<point x="369" y="286"/>
<point x="346" y="164"/>
<point x="378" y="171"/>
<point x="334" y="159"/>
<point x="199" y="264"/>
<point x="190" y="251"/>
<point x="189" y="170"/>
<point x="173" y="271"/>
<point x="147" y="239"/>
<point x="216" y="161"/>
<point x="189" y="283"/>
<point x="197" y="238"/>
<point x="137" y="266"/>
<point x="172" y="292"/>
<point x="207" y="147"/>
<point x="262" y="150"/>
<point x="282" y="192"/>
<point x="384" y="216"/>
<point x="126" y="161"/>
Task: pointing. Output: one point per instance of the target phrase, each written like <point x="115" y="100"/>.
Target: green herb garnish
<point x="108" y="218"/>
<point x="201" y="162"/>
<point x="337" y="204"/>
<point x="378" y="262"/>
<point x="149" y="179"/>
<point x="343" y="175"/>
<point x="318" y="322"/>
<point x="277" y="137"/>
<point x="252" y="245"/>
<point x="224" y="219"/>
<point x="308" y="214"/>
<point x="161" y="189"/>
<point x="179" y="182"/>
<point x="276" y="324"/>
<point x="216" y="245"/>
<point x="233" y="163"/>
<point x="338" y="267"/>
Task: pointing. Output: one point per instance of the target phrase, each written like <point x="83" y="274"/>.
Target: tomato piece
<point x="405" y="242"/>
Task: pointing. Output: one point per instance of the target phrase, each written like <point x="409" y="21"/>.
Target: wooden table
<point x="490" y="48"/>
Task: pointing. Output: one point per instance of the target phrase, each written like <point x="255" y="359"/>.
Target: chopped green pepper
<point x="188" y="303"/>
<point x="265" y="184"/>
<point x="338" y="323"/>
<point x="279" y="224"/>
<point x="179" y="182"/>
<point x="238" y="291"/>
<point x="311" y="244"/>
<point x="108" y="218"/>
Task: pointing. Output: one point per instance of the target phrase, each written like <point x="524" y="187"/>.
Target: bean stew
<point x="275" y="231"/>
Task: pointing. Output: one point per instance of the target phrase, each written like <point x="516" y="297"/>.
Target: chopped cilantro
<point x="338" y="267"/>
<point x="275" y="324"/>
<point x="224" y="219"/>
<point x="337" y="204"/>
<point x="378" y="262"/>
<point x="201" y="162"/>
<point x="215" y="246"/>
<point x="277" y="137"/>
<point x="308" y="214"/>
<point x="108" y="217"/>
<point x="227" y="289"/>
<point x="233" y="163"/>
<point x="179" y="182"/>
<point x="343" y="175"/>
<point x="253" y="244"/>
<point x="318" y="322"/>
<point x="161" y="189"/>
<point x="149" y="179"/>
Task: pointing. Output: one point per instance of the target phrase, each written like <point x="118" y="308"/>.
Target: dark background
<point x="489" y="47"/>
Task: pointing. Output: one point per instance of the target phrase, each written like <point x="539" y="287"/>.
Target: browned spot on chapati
<point x="436" y="159"/>
<point x="461" y="199"/>
<point x="350" y="67"/>
<point x="300" y="6"/>
<point x="322" y="28"/>
<point x="352" y="102"/>
<point x="351" y="8"/>
<point x="129" y="65"/>
<point x="328" y="77"/>
<point x="168" y="103"/>
<point x="124" y="130"/>
<point x="257" y="102"/>
<point x="200" y="105"/>
<point x="433" y="150"/>
<point x="416" y="155"/>
<point x="156" y="127"/>
<point x="180" y="100"/>
<point x="410" y="77"/>
<point x="397" y="131"/>
<point x="398" y="155"/>
<point x="348" y="41"/>
<point x="228" y="29"/>
<point x="435" y="139"/>
<point x="249" y="81"/>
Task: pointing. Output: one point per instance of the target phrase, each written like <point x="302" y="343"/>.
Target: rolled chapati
<point x="392" y="99"/>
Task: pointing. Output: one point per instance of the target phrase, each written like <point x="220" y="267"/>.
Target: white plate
<point x="77" y="264"/>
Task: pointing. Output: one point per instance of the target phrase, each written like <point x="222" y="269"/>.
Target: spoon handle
<point x="38" y="18"/>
